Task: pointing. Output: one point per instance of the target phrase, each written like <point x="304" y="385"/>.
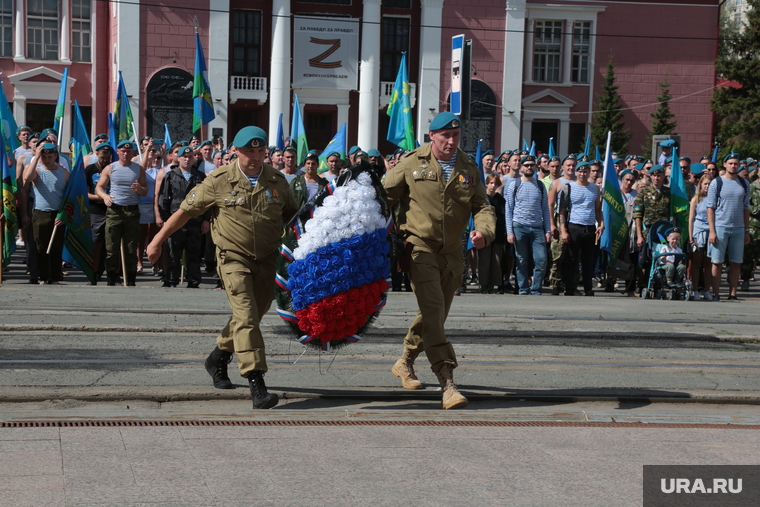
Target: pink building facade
<point x="536" y="67"/>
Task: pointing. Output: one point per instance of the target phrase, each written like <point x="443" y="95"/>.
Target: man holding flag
<point x="49" y="179"/>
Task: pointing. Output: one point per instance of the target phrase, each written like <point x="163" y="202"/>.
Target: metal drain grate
<point x="509" y="424"/>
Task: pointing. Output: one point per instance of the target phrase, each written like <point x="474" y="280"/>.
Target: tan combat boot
<point x="404" y="369"/>
<point x="451" y="396"/>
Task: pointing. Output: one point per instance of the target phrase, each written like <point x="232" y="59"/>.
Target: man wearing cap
<point x="351" y="155"/>
<point x="98" y="210"/>
<point x="177" y="184"/>
<point x="728" y="217"/>
<point x="558" y="247"/>
<point x="581" y="224"/>
<point x="667" y="151"/>
<point x="206" y="165"/>
<point x="651" y="204"/>
<point x="126" y="183"/>
<point x="49" y="180"/>
<point x="249" y="202"/>
<point x="333" y="166"/>
<point x="488" y="161"/>
<point x="528" y="226"/>
<point x="307" y="184"/>
<point x="51" y="136"/>
<point x="685" y="163"/>
<point x="437" y="188"/>
<point x="290" y="164"/>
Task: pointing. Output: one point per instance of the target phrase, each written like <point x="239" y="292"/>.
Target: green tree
<point x="737" y="108"/>
<point x="662" y="125"/>
<point x="609" y="116"/>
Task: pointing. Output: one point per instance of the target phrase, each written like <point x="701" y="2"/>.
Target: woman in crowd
<point x="699" y="230"/>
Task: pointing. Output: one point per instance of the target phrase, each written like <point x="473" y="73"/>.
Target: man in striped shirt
<point x="528" y="226"/>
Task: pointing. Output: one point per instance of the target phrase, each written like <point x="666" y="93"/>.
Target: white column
<point x="64" y="51"/>
<point x="567" y="67"/>
<point x="429" y="81"/>
<point x="514" y="55"/>
<point x="369" y="78"/>
<point x="19" y="110"/>
<point x="218" y="63"/>
<point x="591" y="70"/>
<point x="128" y="56"/>
<point x="279" y="85"/>
<point x="342" y="114"/>
<point x="527" y="129"/>
<point x="20" y="29"/>
<point x="564" y="136"/>
<point x="529" y="28"/>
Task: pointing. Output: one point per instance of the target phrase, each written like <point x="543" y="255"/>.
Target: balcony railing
<point x="386" y="90"/>
<point x="248" y="88"/>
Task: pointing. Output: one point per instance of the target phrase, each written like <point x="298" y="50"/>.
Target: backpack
<point x="719" y="185"/>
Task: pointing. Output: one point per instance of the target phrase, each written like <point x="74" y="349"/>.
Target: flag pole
<point x="123" y="263"/>
<point x="2" y="236"/>
<point x="604" y="175"/>
<point x="50" y="245"/>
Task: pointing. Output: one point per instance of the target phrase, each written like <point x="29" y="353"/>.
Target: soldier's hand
<point x="154" y="252"/>
<point x="204" y="227"/>
<point x="713" y="238"/>
<point x="639" y="241"/>
<point x="746" y="238"/>
<point x="566" y="237"/>
<point x="548" y="237"/>
<point x="159" y="222"/>
<point x="478" y="241"/>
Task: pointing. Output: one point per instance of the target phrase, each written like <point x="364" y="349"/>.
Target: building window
<point x="581" y="51"/>
<point x="246" y="43"/>
<point x="738" y="3"/>
<point x="6" y="27"/>
<point x="394" y="40"/>
<point x="42" y="29"/>
<point x="547" y="47"/>
<point x="80" y="30"/>
<point x="397" y="4"/>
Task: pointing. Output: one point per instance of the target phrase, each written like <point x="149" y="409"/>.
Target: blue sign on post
<point x="457" y="55"/>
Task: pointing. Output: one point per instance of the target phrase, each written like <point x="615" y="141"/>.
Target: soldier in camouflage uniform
<point x="752" y="250"/>
<point x="652" y="204"/>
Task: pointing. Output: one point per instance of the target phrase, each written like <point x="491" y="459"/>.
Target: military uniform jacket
<point x="754" y="210"/>
<point x="434" y="213"/>
<point x="298" y="187"/>
<point x="246" y="220"/>
<point x="651" y="205"/>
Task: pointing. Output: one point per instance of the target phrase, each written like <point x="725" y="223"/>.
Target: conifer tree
<point x="608" y="116"/>
<point x="662" y="125"/>
<point x="737" y="109"/>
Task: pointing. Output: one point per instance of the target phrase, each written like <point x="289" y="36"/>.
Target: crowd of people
<point x="548" y="212"/>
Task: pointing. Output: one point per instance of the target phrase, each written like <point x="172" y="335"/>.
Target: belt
<point x="119" y="207"/>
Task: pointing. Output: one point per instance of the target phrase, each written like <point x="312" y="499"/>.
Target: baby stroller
<point x="657" y="284"/>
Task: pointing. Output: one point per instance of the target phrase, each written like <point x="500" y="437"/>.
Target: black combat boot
<point x="113" y="279"/>
<point x="216" y="366"/>
<point x="261" y="398"/>
<point x="131" y="278"/>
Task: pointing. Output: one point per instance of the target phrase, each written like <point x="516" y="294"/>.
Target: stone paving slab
<point x="351" y="465"/>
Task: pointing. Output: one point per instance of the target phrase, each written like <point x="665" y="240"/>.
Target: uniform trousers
<point x="249" y="285"/>
<point x="48" y="264"/>
<point x="580" y="250"/>
<point x="122" y="225"/>
<point x="188" y="239"/>
<point x="435" y="278"/>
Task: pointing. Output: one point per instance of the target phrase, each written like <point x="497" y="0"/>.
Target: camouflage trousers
<point x="559" y="252"/>
<point x="751" y="254"/>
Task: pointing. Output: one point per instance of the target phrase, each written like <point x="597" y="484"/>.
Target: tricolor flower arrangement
<point x="334" y="264"/>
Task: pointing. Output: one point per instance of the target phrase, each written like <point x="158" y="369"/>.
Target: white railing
<point x="386" y="90"/>
<point x="248" y="88"/>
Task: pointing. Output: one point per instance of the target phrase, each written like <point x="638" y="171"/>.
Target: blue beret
<point x="289" y="148"/>
<point x="49" y="148"/>
<point x="360" y="153"/>
<point x="206" y="142"/>
<point x="731" y="155"/>
<point x="353" y="150"/>
<point x="101" y="136"/>
<point x="312" y="154"/>
<point x="48" y="132"/>
<point x="444" y="121"/>
<point x="472" y="156"/>
<point x="582" y="164"/>
<point x="374" y="152"/>
<point x="629" y="157"/>
<point x="184" y="151"/>
<point x="213" y="155"/>
<point x="687" y="159"/>
<point x="250" y="137"/>
<point x="656" y="168"/>
<point x="625" y="173"/>
<point x="103" y="146"/>
<point x="617" y="160"/>
<point x="569" y="157"/>
<point x="527" y="158"/>
<point x="697" y="168"/>
<point x="485" y="153"/>
<point x="36" y="135"/>
<point x="126" y="144"/>
<point x="334" y="153"/>
<point x="22" y="128"/>
<point x="640" y="167"/>
<point x="668" y="143"/>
